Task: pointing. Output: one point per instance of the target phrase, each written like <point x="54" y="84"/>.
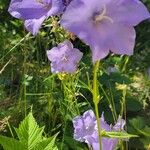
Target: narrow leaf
<point x="119" y="135"/>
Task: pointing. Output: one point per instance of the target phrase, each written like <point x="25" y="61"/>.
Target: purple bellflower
<point x="85" y="130"/>
<point x="34" y="12"/>
<point x="105" y="25"/>
<point x="64" y="58"/>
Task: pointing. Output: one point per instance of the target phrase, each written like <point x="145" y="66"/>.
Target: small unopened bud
<point x="121" y="86"/>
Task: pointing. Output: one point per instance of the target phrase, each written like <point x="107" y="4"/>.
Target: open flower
<point x="85" y="130"/>
<point x="85" y="127"/>
<point x="34" y="12"/>
<point x="64" y="58"/>
<point x="105" y="25"/>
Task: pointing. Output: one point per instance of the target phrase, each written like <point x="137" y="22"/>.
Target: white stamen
<point x="64" y="59"/>
<point x="102" y="16"/>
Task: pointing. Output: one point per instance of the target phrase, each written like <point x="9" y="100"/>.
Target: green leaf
<point x="29" y="132"/>
<point x="138" y="123"/>
<point x="30" y="137"/>
<point x="140" y="126"/>
<point x="145" y="131"/>
<point x="146" y="142"/>
<point x="119" y="135"/>
<point x="133" y="102"/>
<point x="11" y="144"/>
<point x="47" y="144"/>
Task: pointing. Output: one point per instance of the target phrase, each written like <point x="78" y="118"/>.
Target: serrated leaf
<point x="119" y="135"/>
<point x="47" y="144"/>
<point x="29" y="132"/>
<point x="11" y="144"/>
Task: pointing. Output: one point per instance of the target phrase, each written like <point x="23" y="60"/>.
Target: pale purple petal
<point x="79" y="129"/>
<point x="129" y="12"/>
<point x="107" y="144"/>
<point x="33" y="25"/>
<point x="104" y="124"/>
<point x="27" y="9"/>
<point x="105" y="25"/>
<point x="64" y="58"/>
<point x="34" y="12"/>
<point x="56" y="8"/>
<point x="119" y="125"/>
<point x="121" y="39"/>
<point x="85" y="130"/>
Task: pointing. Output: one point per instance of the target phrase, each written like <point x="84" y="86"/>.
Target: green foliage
<point x="11" y="144"/>
<point x="26" y="81"/>
<point x="30" y="137"/>
<point x="139" y="126"/>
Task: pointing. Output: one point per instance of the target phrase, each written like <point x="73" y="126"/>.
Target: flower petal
<point x="33" y="25"/>
<point x="121" y="39"/>
<point x="26" y="9"/>
<point x="129" y="12"/>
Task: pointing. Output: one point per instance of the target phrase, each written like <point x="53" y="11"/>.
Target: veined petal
<point x="27" y="9"/>
<point x="129" y="12"/>
<point x="121" y="39"/>
<point x="33" y="25"/>
<point x="57" y="8"/>
<point x="64" y="58"/>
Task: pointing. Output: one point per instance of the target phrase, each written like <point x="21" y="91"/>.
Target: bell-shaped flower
<point x="85" y="130"/>
<point x="34" y="12"/>
<point x="64" y="58"/>
<point x="105" y="25"/>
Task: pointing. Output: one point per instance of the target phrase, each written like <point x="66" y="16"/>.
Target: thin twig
<point x="5" y="66"/>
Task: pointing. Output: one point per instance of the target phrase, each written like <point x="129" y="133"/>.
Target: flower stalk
<point x="96" y="98"/>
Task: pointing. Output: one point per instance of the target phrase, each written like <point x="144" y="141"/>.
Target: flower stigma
<point x="99" y="17"/>
<point x="64" y="59"/>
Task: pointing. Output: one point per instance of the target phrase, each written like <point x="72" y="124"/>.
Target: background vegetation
<point x="26" y="81"/>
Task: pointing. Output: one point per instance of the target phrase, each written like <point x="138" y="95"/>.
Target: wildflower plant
<point x="105" y="26"/>
<point x="30" y="137"/>
<point x="64" y="58"/>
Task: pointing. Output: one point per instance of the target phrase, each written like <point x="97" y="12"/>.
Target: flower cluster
<point x="104" y="25"/>
<point x="85" y="130"/>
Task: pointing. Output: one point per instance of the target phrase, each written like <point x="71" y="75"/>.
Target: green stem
<point x="96" y="98"/>
<point x="10" y="129"/>
<point x="112" y="108"/>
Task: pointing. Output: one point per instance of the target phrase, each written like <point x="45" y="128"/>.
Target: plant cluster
<point x="105" y="85"/>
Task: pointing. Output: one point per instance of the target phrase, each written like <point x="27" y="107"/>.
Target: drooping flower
<point x="64" y="58"/>
<point x="34" y="12"/>
<point x="105" y="25"/>
<point x="85" y="130"/>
